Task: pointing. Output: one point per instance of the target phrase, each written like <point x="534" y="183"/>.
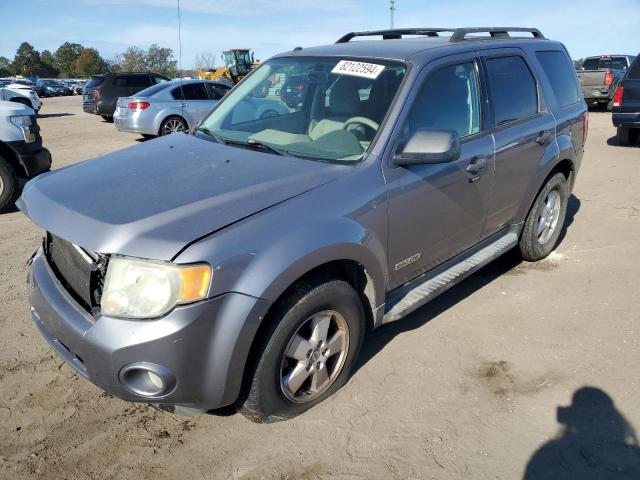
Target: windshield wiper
<point x="209" y="133"/>
<point x="266" y="146"/>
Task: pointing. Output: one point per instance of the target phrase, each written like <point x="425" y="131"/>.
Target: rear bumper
<point x="203" y="345"/>
<point x="625" y="119"/>
<point x="592" y="94"/>
<point x="33" y="158"/>
<point x="134" y="124"/>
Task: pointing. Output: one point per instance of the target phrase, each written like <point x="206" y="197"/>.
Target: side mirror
<point x="427" y="147"/>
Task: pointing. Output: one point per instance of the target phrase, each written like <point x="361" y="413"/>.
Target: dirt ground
<point x="467" y="387"/>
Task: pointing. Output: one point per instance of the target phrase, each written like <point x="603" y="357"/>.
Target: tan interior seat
<point x="344" y="103"/>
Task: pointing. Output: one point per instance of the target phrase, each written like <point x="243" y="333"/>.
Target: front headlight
<point x="22" y="121"/>
<point x="135" y="288"/>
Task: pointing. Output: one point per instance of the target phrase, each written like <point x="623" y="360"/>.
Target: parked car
<point x="101" y="92"/>
<point x="20" y="94"/>
<point x="242" y="263"/>
<point x="74" y="86"/>
<point x="21" y="153"/>
<point x="51" y="88"/>
<point x="626" y="106"/>
<point x="168" y="107"/>
<point x="599" y="77"/>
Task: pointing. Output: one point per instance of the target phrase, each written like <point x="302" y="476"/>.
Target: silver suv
<point x="242" y="263"/>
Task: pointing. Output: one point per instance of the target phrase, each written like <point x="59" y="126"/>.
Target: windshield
<point x="321" y="108"/>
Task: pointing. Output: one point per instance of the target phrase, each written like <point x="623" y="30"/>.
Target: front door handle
<point x="543" y="137"/>
<point x="476" y="164"/>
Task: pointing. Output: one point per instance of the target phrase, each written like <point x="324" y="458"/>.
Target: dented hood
<point x="152" y="199"/>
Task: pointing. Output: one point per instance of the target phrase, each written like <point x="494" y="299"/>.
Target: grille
<point x="73" y="267"/>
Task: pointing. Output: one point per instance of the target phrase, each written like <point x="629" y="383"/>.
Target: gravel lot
<point x="467" y="387"/>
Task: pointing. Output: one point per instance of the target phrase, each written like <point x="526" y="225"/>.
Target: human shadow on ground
<point x="595" y="442"/>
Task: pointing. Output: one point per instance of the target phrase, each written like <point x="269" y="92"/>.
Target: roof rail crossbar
<point x="395" y="33"/>
<point x="460" y="34"/>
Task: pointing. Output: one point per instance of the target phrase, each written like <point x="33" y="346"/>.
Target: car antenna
<point x="180" y="60"/>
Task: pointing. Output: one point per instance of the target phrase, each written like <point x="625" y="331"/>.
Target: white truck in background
<point x="22" y="156"/>
<point x="17" y="92"/>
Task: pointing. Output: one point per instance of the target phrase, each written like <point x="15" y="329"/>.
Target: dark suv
<point x="242" y="262"/>
<point x="626" y="106"/>
<point x="101" y="92"/>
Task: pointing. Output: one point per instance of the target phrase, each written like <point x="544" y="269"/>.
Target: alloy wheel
<point x="314" y="356"/>
<point x="173" y="125"/>
<point x="548" y="217"/>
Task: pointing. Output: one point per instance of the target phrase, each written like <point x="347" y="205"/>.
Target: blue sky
<point x="587" y="27"/>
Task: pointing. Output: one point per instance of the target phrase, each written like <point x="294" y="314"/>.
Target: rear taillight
<point x="138" y="105"/>
<point x="617" y="97"/>
<point x="585" y="127"/>
<point x="97" y="95"/>
<point x="608" y="78"/>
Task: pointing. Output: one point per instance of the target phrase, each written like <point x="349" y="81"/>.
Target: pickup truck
<point x="599" y="76"/>
<point x="626" y="106"/>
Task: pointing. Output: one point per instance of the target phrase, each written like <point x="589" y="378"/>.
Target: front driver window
<point x="449" y="100"/>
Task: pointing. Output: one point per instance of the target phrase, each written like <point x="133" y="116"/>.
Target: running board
<point x="433" y="286"/>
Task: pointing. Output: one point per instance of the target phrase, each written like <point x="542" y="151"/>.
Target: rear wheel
<point x="172" y="125"/>
<point x="308" y="352"/>
<point x="545" y="220"/>
<point x="107" y="118"/>
<point x="8" y="185"/>
<point x="628" y="136"/>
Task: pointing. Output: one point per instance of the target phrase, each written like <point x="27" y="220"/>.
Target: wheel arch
<point x="10" y="156"/>
<point x="169" y="116"/>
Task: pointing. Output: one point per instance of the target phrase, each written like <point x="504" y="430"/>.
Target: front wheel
<point x="308" y="352"/>
<point x="545" y="220"/>
<point x="8" y="185"/>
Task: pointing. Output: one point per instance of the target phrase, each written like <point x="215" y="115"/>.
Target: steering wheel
<point x="367" y="122"/>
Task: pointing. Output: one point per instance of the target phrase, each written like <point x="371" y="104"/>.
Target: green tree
<point x="160" y="60"/>
<point x="27" y="60"/>
<point x="134" y="59"/>
<point x="5" y="67"/>
<point x="89" y="63"/>
<point x="66" y="56"/>
<point x="48" y="63"/>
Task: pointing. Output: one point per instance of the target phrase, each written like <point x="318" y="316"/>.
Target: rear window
<point x="94" y="82"/>
<point x="513" y="89"/>
<point x="561" y="74"/>
<point x="148" y="92"/>
<point x="605" y="63"/>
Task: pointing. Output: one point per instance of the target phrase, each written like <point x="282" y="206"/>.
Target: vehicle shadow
<point x="595" y="442"/>
<point x="53" y="115"/>
<point x="613" y="142"/>
<point x="379" y="338"/>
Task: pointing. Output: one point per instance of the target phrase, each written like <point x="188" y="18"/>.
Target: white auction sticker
<point x="358" y="69"/>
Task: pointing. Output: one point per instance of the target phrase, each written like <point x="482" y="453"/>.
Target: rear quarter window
<point x="561" y="75"/>
<point x="94" y="82"/>
<point x="513" y="89"/>
<point x="634" y="70"/>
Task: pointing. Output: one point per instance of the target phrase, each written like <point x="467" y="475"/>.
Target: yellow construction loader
<point x="238" y="62"/>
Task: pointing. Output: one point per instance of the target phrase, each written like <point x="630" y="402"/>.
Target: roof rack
<point x="457" y="34"/>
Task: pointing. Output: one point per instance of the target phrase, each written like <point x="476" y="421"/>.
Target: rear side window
<point x="513" y="89"/>
<point x="190" y="91"/>
<point x="634" y="70"/>
<point x="449" y="100"/>
<point x="218" y="91"/>
<point x="561" y="75"/>
<point x="138" y="81"/>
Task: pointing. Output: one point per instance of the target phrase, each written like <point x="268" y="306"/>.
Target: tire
<point x="107" y="118"/>
<point x="317" y="301"/>
<point x="628" y="136"/>
<point x="534" y="243"/>
<point x="172" y="124"/>
<point x="8" y="185"/>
